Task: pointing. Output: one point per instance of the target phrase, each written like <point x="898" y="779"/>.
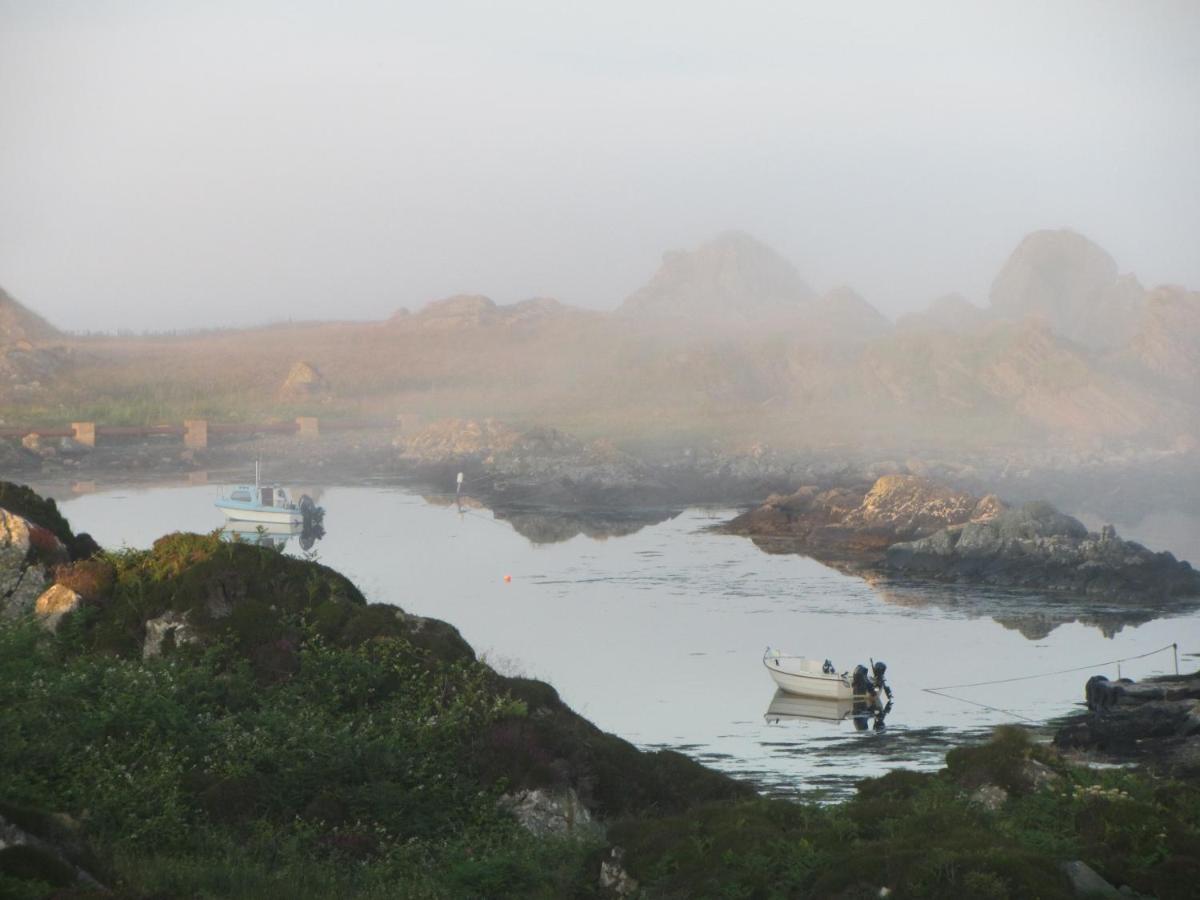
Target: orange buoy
<point x="508" y="578"/>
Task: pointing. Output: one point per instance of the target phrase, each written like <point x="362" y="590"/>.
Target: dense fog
<point x="165" y="168"/>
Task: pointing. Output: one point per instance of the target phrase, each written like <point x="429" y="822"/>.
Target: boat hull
<point x="806" y="677"/>
<point x="826" y="687"/>
<point x="267" y="516"/>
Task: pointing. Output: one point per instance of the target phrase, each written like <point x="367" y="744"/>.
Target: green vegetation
<point x="924" y="836"/>
<point x="191" y="777"/>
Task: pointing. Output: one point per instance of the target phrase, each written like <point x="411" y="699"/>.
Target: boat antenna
<point x="256" y="476"/>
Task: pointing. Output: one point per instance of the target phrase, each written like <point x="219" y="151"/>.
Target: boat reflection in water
<point x="273" y="535"/>
<point x="793" y="707"/>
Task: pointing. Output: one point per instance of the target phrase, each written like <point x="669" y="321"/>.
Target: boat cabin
<point x="268" y="495"/>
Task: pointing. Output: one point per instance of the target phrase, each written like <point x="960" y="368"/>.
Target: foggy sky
<point x="167" y="165"/>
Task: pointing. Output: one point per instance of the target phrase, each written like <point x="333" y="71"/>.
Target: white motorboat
<point x="269" y="504"/>
<point x="808" y="677"/>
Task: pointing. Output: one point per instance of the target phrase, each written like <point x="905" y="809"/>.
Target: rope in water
<point x="1111" y="662"/>
<point x="1007" y="712"/>
<point x="938" y="691"/>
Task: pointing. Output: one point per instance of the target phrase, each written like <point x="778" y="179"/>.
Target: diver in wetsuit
<point x="879" y="684"/>
<point x="868" y="685"/>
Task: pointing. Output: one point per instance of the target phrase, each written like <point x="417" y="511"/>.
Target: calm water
<point x="658" y="635"/>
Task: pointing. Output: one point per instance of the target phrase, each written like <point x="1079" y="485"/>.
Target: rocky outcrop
<point x="907" y="504"/>
<point x="467" y="311"/>
<point x="54" y="603"/>
<point x="27" y="553"/>
<point x="171" y="629"/>
<point x="857" y="524"/>
<point x="614" y="879"/>
<point x="1073" y="284"/>
<point x="547" y="812"/>
<point x="1038" y="548"/>
<point x="905" y="526"/>
<point x="304" y="382"/>
<point x="1155" y="722"/>
<point x="951" y="313"/>
<point x="1168" y="339"/>
<point x="842" y="313"/>
<point x="528" y="465"/>
<point x="26" y="856"/>
<point x="26" y="363"/>
<point x="19" y="324"/>
<point x="732" y="279"/>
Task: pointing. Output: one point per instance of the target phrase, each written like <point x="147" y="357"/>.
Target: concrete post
<point x="195" y="434"/>
<point x="85" y="433"/>
<point x="307" y="426"/>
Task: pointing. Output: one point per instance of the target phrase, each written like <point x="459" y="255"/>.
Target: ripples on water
<point x="657" y="634"/>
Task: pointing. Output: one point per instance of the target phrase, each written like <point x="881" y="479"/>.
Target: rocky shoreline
<point x="1155" y="723"/>
<point x="909" y="528"/>
<point x="897" y="524"/>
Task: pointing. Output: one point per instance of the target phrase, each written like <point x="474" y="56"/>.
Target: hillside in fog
<point x="726" y="341"/>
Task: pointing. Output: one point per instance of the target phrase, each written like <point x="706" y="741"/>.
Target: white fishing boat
<point x="269" y="504"/>
<point x="808" y="677"/>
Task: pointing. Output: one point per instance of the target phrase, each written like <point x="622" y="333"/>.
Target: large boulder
<point x="28" y="552"/>
<point x="304" y="382"/>
<point x="54" y="603"/>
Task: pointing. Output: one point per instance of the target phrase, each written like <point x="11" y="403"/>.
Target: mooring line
<point x="938" y="691"/>
<point x="951" y="687"/>
<point x="1007" y="712"/>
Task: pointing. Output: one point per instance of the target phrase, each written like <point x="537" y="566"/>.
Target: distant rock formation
<point x="304" y="382"/>
<point x="26" y="364"/>
<point x="732" y="278"/>
<point x="842" y="313"/>
<point x="1073" y="284"/>
<point x="18" y="323"/>
<point x="1168" y="338"/>
<point x="951" y="313"/>
<point x="474" y="310"/>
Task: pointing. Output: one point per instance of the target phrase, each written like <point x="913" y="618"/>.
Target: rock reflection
<point x="1032" y="616"/>
<point x="545" y="525"/>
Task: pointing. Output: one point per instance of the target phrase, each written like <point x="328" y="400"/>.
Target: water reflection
<point x="792" y="707"/>
<point x="554" y="526"/>
<point x="273" y="536"/>
<point x="1033" y="616"/>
